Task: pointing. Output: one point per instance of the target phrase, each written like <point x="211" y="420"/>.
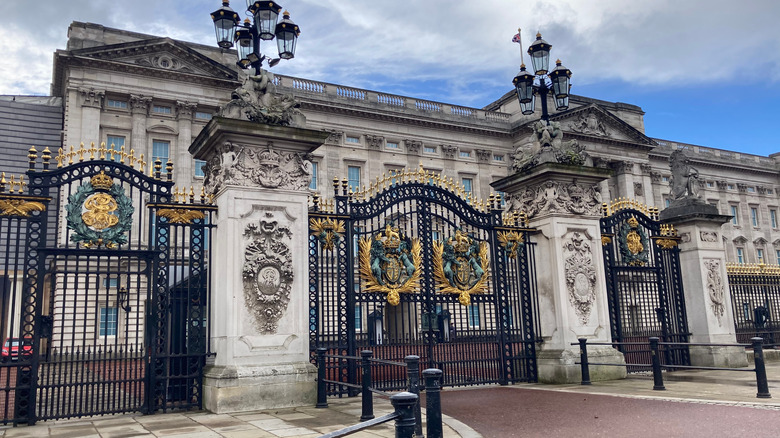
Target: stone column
<point x="139" y="105"/>
<point x="260" y="176"/>
<point x="91" y="104"/>
<point x="564" y="204"/>
<point x="705" y="282"/>
<point x="624" y="178"/>
<point x="183" y="160"/>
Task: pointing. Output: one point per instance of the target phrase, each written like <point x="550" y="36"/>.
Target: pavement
<point x="695" y="403"/>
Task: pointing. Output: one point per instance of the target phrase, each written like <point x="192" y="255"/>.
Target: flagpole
<point x="519" y="32"/>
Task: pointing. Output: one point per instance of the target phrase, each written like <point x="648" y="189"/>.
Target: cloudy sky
<point x="706" y="72"/>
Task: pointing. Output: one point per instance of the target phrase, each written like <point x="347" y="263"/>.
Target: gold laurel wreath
<point x="333" y="230"/>
<point x="444" y="285"/>
<point x="372" y="285"/>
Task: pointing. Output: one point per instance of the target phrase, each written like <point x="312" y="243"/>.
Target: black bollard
<point x="322" y="391"/>
<point x="413" y="379"/>
<point x="404" y="403"/>
<point x="658" y="378"/>
<point x="368" y="397"/>
<point x="584" y="361"/>
<point x="758" y="356"/>
<point x="432" y="378"/>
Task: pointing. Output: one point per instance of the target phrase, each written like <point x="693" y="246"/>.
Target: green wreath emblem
<point x="110" y="237"/>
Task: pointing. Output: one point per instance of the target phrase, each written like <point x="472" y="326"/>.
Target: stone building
<point x="154" y="94"/>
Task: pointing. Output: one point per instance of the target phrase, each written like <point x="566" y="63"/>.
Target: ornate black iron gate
<point x="410" y="267"/>
<point x="105" y="287"/>
<point x="644" y="286"/>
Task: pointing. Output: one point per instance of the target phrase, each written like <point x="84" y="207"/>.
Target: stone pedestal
<point x="259" y="175"/>
<point x="564" y="204"/>
<point x="705" y="282"/>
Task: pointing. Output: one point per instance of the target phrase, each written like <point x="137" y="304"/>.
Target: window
<point x="474" y="315"/>
<point x="498" y="158"/>
<point x="160" y="150"/>
<point x="754" y="216"/>
<point x="353" y="174"/>
<point x="710" y="184"/>
<point x="199" y="168"/>
<point x="116" y="104"/>
<point x="665" y="179"/>
<point x="117" y="143"/>
<point x="777" y="256"/>
<point x="734" y="219"/>
<point x="202" y="115"/>
<point x="467" y="185"/>
<point x="313" y="184"/>
<point x="773" y="218"/>
<point x="160" y="109"/>
<point x="435" y="235"/>
<point x="110" y="282"/>
<point x="358" y="317"/>
<point x="751" y="189"/>
<point x="729" y="186"/>
<point x="108" y="321"/>
<point x="351" y="139"/>
<point x="740" y="255"/>
<point x="465" y="154"/>
<point x="429" y="149"/>
<point x="667" y="202"/>
<point x="760" y="255"/>
<point x="502" y="197"/>
<point x="392" y="145"/>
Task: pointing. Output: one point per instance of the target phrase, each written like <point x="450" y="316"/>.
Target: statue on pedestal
<point x="684" y="177"/>
<point x="256" y="100"/>
<point x="548" y="147"/>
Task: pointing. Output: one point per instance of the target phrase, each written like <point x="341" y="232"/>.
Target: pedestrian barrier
<point x="657" y="367"/>
<point x="407" y="415"/>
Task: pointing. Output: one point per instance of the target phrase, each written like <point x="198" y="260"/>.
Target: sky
<point x="706" y="72"/>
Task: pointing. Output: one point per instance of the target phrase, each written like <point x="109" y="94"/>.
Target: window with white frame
<point x="392" y="145"/>
<point x="773" y="217"/>
<point x="203" y="115"/>
<point x="760" y="255"/>
<point x="498" y="158"/>
<point x="313" y="184"/>
<point x="474" y="316"/>
<point x="751" y="189"/>
<point x="117" y="104"/>
<point x="740" y="255"/>
<point x="161" y="151"/>
<point x="429" y="149"/>
<point x="777" y="256"/>
<point x="117" y="141"/>
<point x="353" y="176"/>
<point x="161" y="109"/>
<point x="754" y="216"/>
<point x="110" y="282"/>
<point x="353" y="139"/>
<point x="109" y="317"/>
<point x="199" y="172"/>
<point x="734" y="210"/>
<point x="465" y="154"/>
<point x="667" y="202"/>
<point x="468" y="184"/>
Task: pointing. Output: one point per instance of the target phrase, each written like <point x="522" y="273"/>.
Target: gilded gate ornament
<point x="511" y="241"/>
<point x="633" y="244"/>
<point x="390" y="262"/>
<point x="99" y="213"/>
<point x="19" y="207"/>
<point x="461" y="266"/>
<point x="328" y="231"/>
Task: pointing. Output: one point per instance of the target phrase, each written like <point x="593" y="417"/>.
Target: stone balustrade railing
<point x="403" y="103"/>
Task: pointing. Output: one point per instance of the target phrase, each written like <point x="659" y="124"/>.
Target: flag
<point x="516" y="39"/>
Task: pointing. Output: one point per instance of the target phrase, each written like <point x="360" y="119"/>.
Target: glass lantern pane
<point x="528" y="108"/>
<point x="265" y="19"/>
<point x="286" y="44"/>
<point x="541" y="62"/>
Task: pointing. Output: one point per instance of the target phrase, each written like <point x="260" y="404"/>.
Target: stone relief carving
<point x="164" y="62"/>
<point x="685" y="237"/>
<point x="684" y="177"/>
<point x="267" y="273"/>
<point x="548" y="147"/>
<point x="556" y="197"/>
<point x="375" y="141"/>
<point x="623" y="166"/>
<point x="589" y="123"/>
<point x="742" y="188"/>
<point x="256" y="100"/>
<point x="185" y="109"/>
<point x="646" y="168"/>
<point x="449" y="150"/>
<point x="638" y="189"/>
<point x="91" y="97"/>
<point x="236" y="165"/>
<point x="708" y="236"/>
<point x="655" y="177"/>
<point x="715" y="288"/>
<point x="413" y="146"/>
<point x="762" y="190"/>
<point x="580" y="275"/>
<point x="140" y="104"/>
<point x="334" y="136"/>
<point x="484" y="155"/>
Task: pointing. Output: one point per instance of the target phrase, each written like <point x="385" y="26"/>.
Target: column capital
<point x="140" y="104"/>
<point x="185" y="110"/>
<point x="92" y="98"/>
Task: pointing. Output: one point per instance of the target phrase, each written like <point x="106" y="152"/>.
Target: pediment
<point x="594" y="121"/>
<point x="740" y="240"/>
<point x="159" y="54"/>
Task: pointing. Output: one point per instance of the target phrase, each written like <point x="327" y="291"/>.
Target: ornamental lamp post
<point x="526" y="87"/>
<point x="248" y="36"/>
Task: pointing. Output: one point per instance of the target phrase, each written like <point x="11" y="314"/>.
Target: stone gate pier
<point x="259" y="176"/>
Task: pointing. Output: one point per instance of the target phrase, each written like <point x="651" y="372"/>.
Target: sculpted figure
<point x="684" y="177"/>
<point x="256" y="100"/>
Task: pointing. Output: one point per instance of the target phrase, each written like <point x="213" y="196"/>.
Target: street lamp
<point x="247" y="35"/>
<point x="559" y="80"/>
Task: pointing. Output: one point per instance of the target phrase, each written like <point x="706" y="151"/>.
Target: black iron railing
<point x="657" y="367"/>
<point x="755" y="301"/>
<point x="411" y="364"/>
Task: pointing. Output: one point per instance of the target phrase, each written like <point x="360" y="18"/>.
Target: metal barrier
<point x="657" y="367"/>
<point x="432" y="388"/>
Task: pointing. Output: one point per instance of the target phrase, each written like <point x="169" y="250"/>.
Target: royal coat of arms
<point x="633" y="243"/>
<point x="99" y="213"/>
<point x="390" y="263"/>
<point x="461" y="266"/>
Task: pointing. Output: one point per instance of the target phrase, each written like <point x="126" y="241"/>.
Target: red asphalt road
<point x="513" y="412"/>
